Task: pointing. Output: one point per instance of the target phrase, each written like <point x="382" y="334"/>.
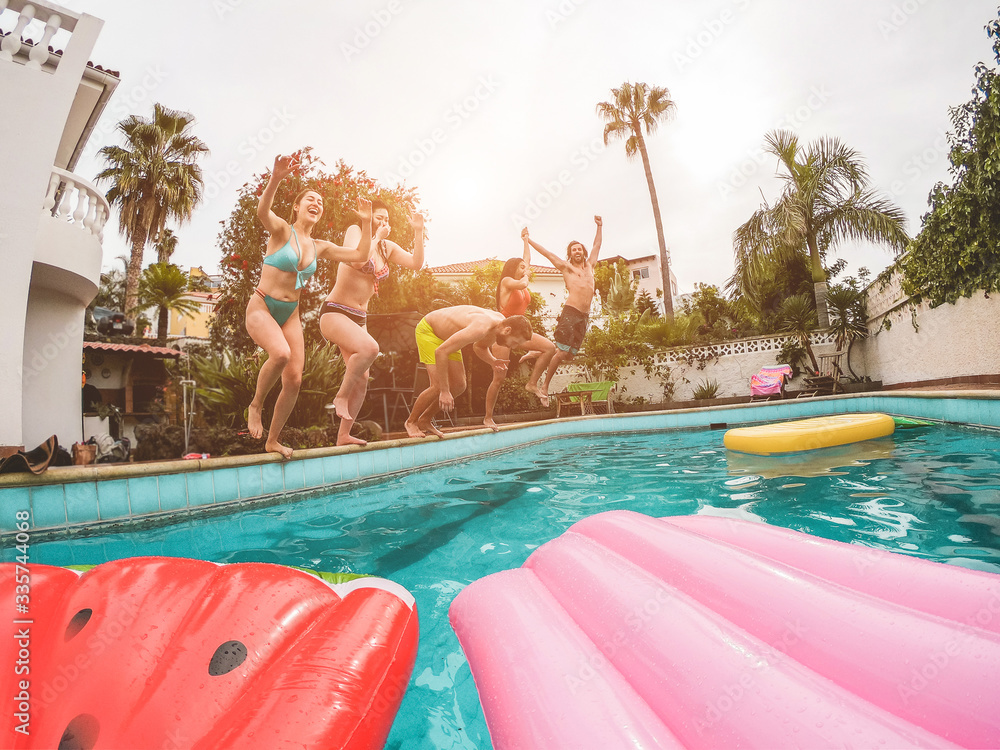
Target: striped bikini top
<point x="368" y="267"/>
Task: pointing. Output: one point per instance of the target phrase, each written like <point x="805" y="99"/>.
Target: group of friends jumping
<point x="365" y="258"/>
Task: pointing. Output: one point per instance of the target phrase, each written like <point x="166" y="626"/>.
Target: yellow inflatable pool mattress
<point x="808" y="434"/>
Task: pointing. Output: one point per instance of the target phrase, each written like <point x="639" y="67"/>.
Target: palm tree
<point x="632" y="109"/>
<point x="849" y="318"/>
<point x="797" y="316"/>
<point x="166" y="244"/>
<point x="165" y="287"/>
<point x="825" y="200"/>
<point x="154" y="178"/>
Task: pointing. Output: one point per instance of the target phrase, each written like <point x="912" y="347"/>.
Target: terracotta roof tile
<point x="160" y="350"/>
<point x="472" y="265"/>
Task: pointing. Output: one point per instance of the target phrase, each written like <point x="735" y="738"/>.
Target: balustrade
<point x="30" y="15"/>
<point x="72" y="199"/>
<point x="683" y="354"/>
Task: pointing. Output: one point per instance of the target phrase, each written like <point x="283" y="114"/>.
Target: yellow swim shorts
<point x="428" y="342"/>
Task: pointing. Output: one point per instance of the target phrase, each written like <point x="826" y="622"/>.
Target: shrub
<point x="706" y="389"/>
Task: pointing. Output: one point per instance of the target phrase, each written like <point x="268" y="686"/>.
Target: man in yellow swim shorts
<point x="440" y="338"/>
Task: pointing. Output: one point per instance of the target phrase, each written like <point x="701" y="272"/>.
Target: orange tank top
<point x="517" y="303"/>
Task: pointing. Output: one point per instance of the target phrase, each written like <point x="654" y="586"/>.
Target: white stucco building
<point x="647" y="271"/>
<point x="51" y="220"/>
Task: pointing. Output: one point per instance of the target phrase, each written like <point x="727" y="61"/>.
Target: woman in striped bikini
<point x="513" y="298"/>
<point x="273" y="310"/>
<point x="344" y="316"/>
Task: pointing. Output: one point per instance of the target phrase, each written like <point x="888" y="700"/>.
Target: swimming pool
<point x="932" y="492"/>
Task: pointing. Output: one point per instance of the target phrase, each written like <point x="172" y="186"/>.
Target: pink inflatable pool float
<point x="705" y="632"/>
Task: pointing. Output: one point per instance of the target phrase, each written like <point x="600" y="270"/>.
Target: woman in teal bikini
<point x="344" y="316"/>
<point x="272" y="312"/>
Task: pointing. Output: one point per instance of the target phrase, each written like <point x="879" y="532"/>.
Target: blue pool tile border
<point x="137" y="494"/>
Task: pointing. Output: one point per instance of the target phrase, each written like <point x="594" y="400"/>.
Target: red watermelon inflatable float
<point x="174" y="653"/>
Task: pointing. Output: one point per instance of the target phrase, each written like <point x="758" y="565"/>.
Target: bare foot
<point x="350" y="440"/>
<point x="254" y="423"/>
<point x="276" y="447"/>
<point x="413" y="431"/>
<point x="429" y="427"/>
<point x="344" y="436"/>
<point x="542" y="395"/>
<point x="340" y="404"/>
<point x="491" y="424"/>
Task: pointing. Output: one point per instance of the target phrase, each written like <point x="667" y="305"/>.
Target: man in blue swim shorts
<point x="440" y="338"/>
<point x="578" y="274"/>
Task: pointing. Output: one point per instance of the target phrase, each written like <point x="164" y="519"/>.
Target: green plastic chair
<point x="601" y="395"/>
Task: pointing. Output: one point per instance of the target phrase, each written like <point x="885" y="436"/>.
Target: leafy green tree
<point x="243" y="243"/>
<point x="849" y="313"/>
<point x="645" y="303"/>
<point x="956" y="253"/>
<point x="634" y="109"/>
<point x="165" y="287"/>
<point x="825" y="201"/>
<point x="154" y="178"/>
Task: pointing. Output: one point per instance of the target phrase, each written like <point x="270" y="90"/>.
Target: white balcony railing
<point x="35" y="25"/>
<point x="72" y="199"/>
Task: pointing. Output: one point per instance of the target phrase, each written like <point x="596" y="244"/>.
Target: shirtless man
<point x="440" y="338"/>
<point x="578" y="274"/>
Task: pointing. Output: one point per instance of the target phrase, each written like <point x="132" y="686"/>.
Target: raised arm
<point x="596" y="249"/>
<point x="274" y="224"/>
<point x="555" y="260"/>
<point x="414" y="260"/>
<point x="359" y="254"/>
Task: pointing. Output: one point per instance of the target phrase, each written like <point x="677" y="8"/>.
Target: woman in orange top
<point x="513" y="298"/>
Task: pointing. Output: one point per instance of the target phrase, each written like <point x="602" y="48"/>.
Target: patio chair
<point x="827" y="380"/>
<point x="769" y="382"/>
<point x="592" y="397"/>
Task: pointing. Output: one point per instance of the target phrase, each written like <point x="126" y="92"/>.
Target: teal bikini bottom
<point x="280" y="310"/>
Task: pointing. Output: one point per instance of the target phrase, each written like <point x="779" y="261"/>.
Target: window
<point x="641" y="273"/>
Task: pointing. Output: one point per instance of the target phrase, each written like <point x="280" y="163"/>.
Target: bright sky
<point x="488" y="108"/>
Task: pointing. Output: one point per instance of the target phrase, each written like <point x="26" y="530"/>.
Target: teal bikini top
<point x="287" y="260"/>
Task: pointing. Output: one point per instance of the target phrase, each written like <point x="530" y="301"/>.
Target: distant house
<point x="196" y="325"/>
<point x="52" y="219"/>
<point x="647" y="270"/>
<point x="545" y="281"/>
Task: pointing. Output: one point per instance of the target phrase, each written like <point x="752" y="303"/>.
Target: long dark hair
<point x="508" y="273"/>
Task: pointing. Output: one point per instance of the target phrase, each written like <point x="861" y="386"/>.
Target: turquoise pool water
<point x="932" y="492"/>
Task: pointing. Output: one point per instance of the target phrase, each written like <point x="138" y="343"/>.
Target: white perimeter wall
<point x="917" y="344"/>
<point x="930" y="344"/>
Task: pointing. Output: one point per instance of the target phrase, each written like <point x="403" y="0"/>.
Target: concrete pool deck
<point x="79" y="499"/>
